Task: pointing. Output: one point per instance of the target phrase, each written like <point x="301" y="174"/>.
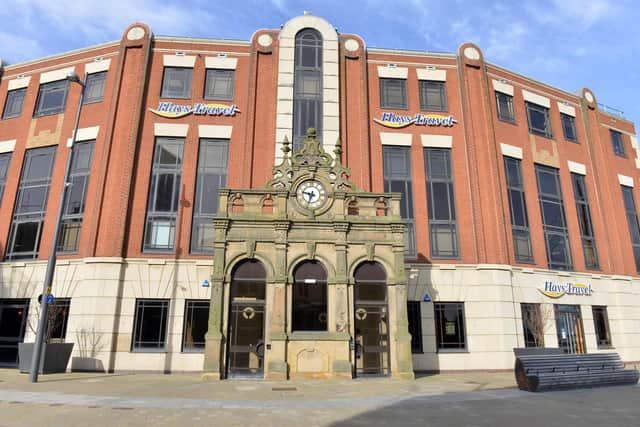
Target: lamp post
<point x="51" y="264"/>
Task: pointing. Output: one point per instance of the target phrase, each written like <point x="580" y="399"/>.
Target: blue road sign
<point x="426" y="298"/>
<point x="205" y="283"/>
<point x="50" y="299"/>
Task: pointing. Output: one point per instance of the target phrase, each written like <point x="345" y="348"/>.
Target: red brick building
<point x="518" y="198"/>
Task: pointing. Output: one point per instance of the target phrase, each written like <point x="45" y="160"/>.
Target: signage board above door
<point x="557" y="290"/>
<point x="170" y="110"/>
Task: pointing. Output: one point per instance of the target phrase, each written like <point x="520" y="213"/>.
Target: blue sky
<point x="565" y="43"/>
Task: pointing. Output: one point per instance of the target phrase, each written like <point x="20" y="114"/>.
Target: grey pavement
<point x="486" y="399"/>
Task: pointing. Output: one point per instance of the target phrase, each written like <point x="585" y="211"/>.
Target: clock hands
<point x="311" y="195"/>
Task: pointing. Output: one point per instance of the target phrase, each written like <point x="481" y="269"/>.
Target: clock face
<point x="311" y="194"/>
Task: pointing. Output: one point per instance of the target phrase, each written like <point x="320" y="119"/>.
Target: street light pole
<point x="51" y="264"/>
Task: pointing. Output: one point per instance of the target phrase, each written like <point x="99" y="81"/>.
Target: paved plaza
<point x="487" y="399"/>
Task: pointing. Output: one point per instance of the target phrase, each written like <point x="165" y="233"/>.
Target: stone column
<point x="339" y="315"/>
<point x="401" y="358"/>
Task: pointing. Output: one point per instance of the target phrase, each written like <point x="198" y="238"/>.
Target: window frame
<point x="99" y="78"/>
<point x="5" y="162"/>
<point x="551" y="231"/>
<point x="540" y="109"/>
<point x="190" y="305"/>
<point x="628" y="200"/>
<point x="606" y="342"/>
<point x="535" y="308"/>
<point x="10" y="99"/>
<point x="423" y="90"/>
<point x="199" y="218"/>
<point x="617" y="143"/>
<point x="384" y="89"/>
<point x="62" y="306"/>
<point x="307" y="106"/>
<point x="585" y="223"/>
<point x="298" y="282"/>
<point x="167" y="217"/>
<point x="405" y="179"/>
<point x="438" y="308"/>
<point x="140" y="305"/>
<point x="569" y="122"/>
<point x="212" y="75"/>
<point x="509" y="101"/>
<point x="167" y="93"/>
<point x="414" y="317"/>
<point x="517" y="195"/>
<point x="45" y="90"/>
<point x="437" y="225"/>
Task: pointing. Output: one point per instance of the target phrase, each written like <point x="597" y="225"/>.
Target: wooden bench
<point x="542" y="372"/>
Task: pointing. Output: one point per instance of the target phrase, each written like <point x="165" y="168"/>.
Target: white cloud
<point x="15" y="46"/>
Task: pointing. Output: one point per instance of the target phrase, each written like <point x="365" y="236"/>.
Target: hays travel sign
<point x="556" y="290"/>
<point x="397" y="121"/>
<point x="174" y="111"/>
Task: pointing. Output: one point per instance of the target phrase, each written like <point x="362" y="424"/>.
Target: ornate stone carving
<point x="251" y="248"/>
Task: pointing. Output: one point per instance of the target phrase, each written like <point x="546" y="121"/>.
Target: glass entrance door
<point x="245" y="342"/>
<point x="372" y="340"/>
<point x="570" y="330"/>
<point x="246" y="339"/>
<point x="13" y="323"/>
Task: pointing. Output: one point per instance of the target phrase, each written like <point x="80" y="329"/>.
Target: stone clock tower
<point x="309" y="278"/>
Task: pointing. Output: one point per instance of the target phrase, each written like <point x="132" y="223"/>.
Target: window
<point x="52" y="98"/>
<point x="31" y="203"/>
<point x="196" y="324"/>
<point x="75" y="197"/>
<point x="310" y="297"/>
<point x="393" y="93"/>
<point x="397" y="179"/>
<point x="518" y="209"/>
<point x="504" y="105"/>
<point x="569" y="127"/>
<point x="584" y="220"/>
<point x="443" y="233"/>
<point x="618" y="144"/>
<point x="94" y="87"/>
<point x="632" y="220"/>
<point x="533" y="325"/>
<point x="150" y="325"/>
<point x="164" y="193"/>
<point x="219" y="84"/>
<point x="211" y="175"/>
<point x="450" y="332"/>
<point x="307" y="86"/>
<point x="13" y="104"/>
<point x="415" y="326"/>
<point x="176" y="83"/>
<point x="5" y="158"/>
<point x="433" y="96"/>
<point x="58" y="314"/>
<point x="601" y="323"/>
<point x="553" y="218"/>
<point x="538" y="117"/>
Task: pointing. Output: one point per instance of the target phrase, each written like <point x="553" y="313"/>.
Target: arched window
<point x="371" y="282"/>
<point x="248" y="280"/>
<point x="309" y="297"/>
<point x="307" y="86"/>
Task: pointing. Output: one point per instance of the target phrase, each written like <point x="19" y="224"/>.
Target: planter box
<point x="54" y="358"/>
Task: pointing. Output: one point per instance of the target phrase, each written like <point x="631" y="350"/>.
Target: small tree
<point x="537" y="319"/>
<point x="56" y="315"/>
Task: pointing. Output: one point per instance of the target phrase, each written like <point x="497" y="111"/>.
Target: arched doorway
<point x="309" y="297"/>
<point x="245" y="342"/>
<point x="371" y="322"/>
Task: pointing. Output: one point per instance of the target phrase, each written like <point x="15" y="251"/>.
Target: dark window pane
<point x="538" y="117"/>
<point x="632" y="220"/>
<point x="196" y="324"/>
<point x="176" y="83"/>
<point x="393" y="93"/>
<point x="505" y="107"/>
<point x="310" y="297"/>
<point x="52" y="98"/>
<point x="616" y="141"/>
<point x="58" y="316"/>
<point x="533" y="325"/>
<point x="150" y="325"/>
<point x="441" y="203"/>
<point x="450" y="333"/>
<point x="5" y="158"/>
<point x="415" y="325"/>
<point x="26" y="236"/>
<point x="569" y="127"/>
<point x="13" y="104"/>
<point x="307" y="86"/>
<point x="94" y="87"/>
<point x="433" y="96"/>
<point x="601" y="323"/>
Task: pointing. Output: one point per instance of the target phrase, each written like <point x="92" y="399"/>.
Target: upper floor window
<point x="518" y="210"/>
<point x="176" y="83"/>
<point x="632" y="221"/>
<point x="94" y="87"/>
<point x="538" y="117"/>
<point x="393" y="93"/>
<point x="307" y="86"/>
<point x="616" y="140"/>
<point x="397" y="179"/>
<point x="433" y="96"/>
<point x="504" y="105"/>
<point x="219" y="84"/>
<point x="569" y="127"/>
<point x="14" y="102"/>
<point x="4" y="168"/>
<point x="52" y="98"/>
<point x="584" y="220"/>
